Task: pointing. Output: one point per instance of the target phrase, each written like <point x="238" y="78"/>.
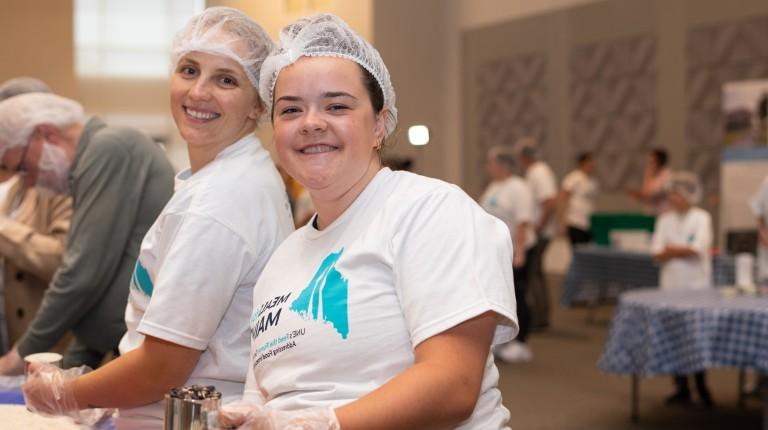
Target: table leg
<point x="765" y="407"/>
<point x="741" y="387"/>
<point x="634" y="416"/>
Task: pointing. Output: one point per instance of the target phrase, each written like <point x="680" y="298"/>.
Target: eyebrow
<point x="219" y="70"/>
<point x="327" y="95"/>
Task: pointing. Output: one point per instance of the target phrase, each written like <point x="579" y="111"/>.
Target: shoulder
<point x="700" y="214"/>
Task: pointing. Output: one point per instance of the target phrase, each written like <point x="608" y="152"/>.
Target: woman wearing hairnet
<point x="681" y="241"/>
<point x="190" y="295"/>
<point x="379" y="313"/>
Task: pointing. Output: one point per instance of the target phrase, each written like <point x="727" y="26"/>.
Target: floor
<point x="563" y="389"/>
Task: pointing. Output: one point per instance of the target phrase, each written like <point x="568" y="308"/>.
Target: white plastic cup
<point x="51" y="358"/>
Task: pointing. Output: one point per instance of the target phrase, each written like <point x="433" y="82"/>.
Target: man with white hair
<point x="681" y="242"/>
<point x="33" y="231"/>
<point x="119" y="181"/>
<point x="543" y="184"/>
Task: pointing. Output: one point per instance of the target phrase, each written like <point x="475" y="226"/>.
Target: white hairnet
<point x="20" y="115"/>
<point x="227" y="32"/>
<point x="22" y="85"/>
<point x="687" y="185"/>
<point x="326" y="35"/>
<point x="505" y="155"/>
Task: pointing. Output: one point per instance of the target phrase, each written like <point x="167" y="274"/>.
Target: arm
<point x="675" y="251"/>
<point x="439" y="391"/>
<point x="564" y="197"/>
<point x="521" y="235"/>
<point x="762" y="232"/>
<point x="150" y="371"/>
<point x="101" y="225"/>
<point x="548" y="208"/>
<point x="38" y="251"/>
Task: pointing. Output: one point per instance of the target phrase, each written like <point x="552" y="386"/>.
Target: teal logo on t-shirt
<point x="325" y="298"/>
<point x="141" y="279"/>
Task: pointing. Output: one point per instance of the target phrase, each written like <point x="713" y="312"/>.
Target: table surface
<point x="597" y="273"/>
<point x="684" y="331"/>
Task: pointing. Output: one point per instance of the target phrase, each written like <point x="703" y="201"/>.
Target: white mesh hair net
<point x="227" y="32"/>
<point x="20" y="115"/>
<point x="326" y="35"/>
<point x="21" y="85"/>
<point x="687" y="185"/>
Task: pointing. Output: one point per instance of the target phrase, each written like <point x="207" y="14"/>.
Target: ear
<point x="257" y="109"/>
<point x="48" y="132"/>
<point x="380" y="127"/>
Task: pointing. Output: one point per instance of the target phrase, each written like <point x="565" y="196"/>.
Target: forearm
<point x="548" y="210"/>
<point x="140" y="377"/>
<point x="422" y="397"/>
<point x="439" y="391"/>
<point x="676" y="251"/>
<point x="32" y="251"/>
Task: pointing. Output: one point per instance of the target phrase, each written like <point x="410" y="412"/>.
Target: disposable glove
<point x="245" y="415"/>
<point x="48" y="391"/>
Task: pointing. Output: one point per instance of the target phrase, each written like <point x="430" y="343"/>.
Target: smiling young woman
<point x="384" y="308"/>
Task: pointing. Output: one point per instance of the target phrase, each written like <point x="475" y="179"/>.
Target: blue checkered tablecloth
<point x="656" y="332"/>
<point x="599" y="273"/>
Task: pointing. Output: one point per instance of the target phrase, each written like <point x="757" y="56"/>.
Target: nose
<point x="200" y="90"/>
<point x="312" y="123"/>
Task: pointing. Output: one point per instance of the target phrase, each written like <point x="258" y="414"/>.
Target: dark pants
<point x="578" y="236"/>
<point x="521" y="287"/>
<point x="538" y="293"/>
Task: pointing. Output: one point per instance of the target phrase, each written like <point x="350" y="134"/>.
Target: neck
<point x="330" y="208"/>
<point x="200" y="156"/>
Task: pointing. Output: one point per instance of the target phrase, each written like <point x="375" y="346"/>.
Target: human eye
<point x="187" y="70"/>
<point x="289" y="110"/>
<point x="338" y="107"/>
<point x="227" y="81"/>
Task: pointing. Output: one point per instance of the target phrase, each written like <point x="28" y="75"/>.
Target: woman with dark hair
<point x="652" y="195"/>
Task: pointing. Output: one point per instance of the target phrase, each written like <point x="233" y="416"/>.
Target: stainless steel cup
<point x="189" y="414"/>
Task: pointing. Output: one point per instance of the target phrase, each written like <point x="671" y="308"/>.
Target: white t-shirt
<point x="583" y="191"/>
<point x="692" y="229"/>
<point x="543" y="185"/>
<point x="193" y="282"/>
<point x="511" y="201"/>
<point x="338" y="312"/>
<point x="759" y="204"/>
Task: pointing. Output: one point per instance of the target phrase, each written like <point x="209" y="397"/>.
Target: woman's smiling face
<point x="326" y="130"/>
<point x="212" y="101"/>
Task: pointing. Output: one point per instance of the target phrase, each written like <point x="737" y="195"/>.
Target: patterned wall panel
<point x="511" y="100"/>
<point x="613" y="106"/>
<point x="717" y="54"/>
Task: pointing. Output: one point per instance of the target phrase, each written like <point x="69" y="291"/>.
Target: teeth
<point x="201" y="115"/>
<point x="316" y="149"/>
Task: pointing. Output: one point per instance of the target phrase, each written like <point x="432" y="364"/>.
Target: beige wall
<point x="556" y="33"/>
<point x="481" y="13"/>
<point x="37" y="41"/>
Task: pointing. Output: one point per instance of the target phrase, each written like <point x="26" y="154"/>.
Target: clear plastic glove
<point x="245" y="415"/>
<point x="48" y="391"/>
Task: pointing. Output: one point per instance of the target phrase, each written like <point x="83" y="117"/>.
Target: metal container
<point x="189" y="408"/>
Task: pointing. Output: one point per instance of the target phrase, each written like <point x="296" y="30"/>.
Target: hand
<point x="11" y="363"/>
<point x="49" y="391"/>
<point x="518" y="260"/>
<point x="245" y="415"/>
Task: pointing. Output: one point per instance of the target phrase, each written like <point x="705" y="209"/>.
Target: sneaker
<point x="679" y="398"/>
<point x="514" y="352"/>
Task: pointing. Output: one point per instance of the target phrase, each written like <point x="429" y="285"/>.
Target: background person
<point x="33" y="230"/>
<point x="509" y="199"/>
<point x="656" y="176"/>
<point x="119" y="180"/>
<point x="577" y="200"/>
<point x="543" y="184"/>
<point x="389" y="298"/>
<point x="191" y="291"/>
<point x="681" y="241"/>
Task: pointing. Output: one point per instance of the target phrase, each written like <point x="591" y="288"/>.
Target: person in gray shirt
<point x="119" y="180"/>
